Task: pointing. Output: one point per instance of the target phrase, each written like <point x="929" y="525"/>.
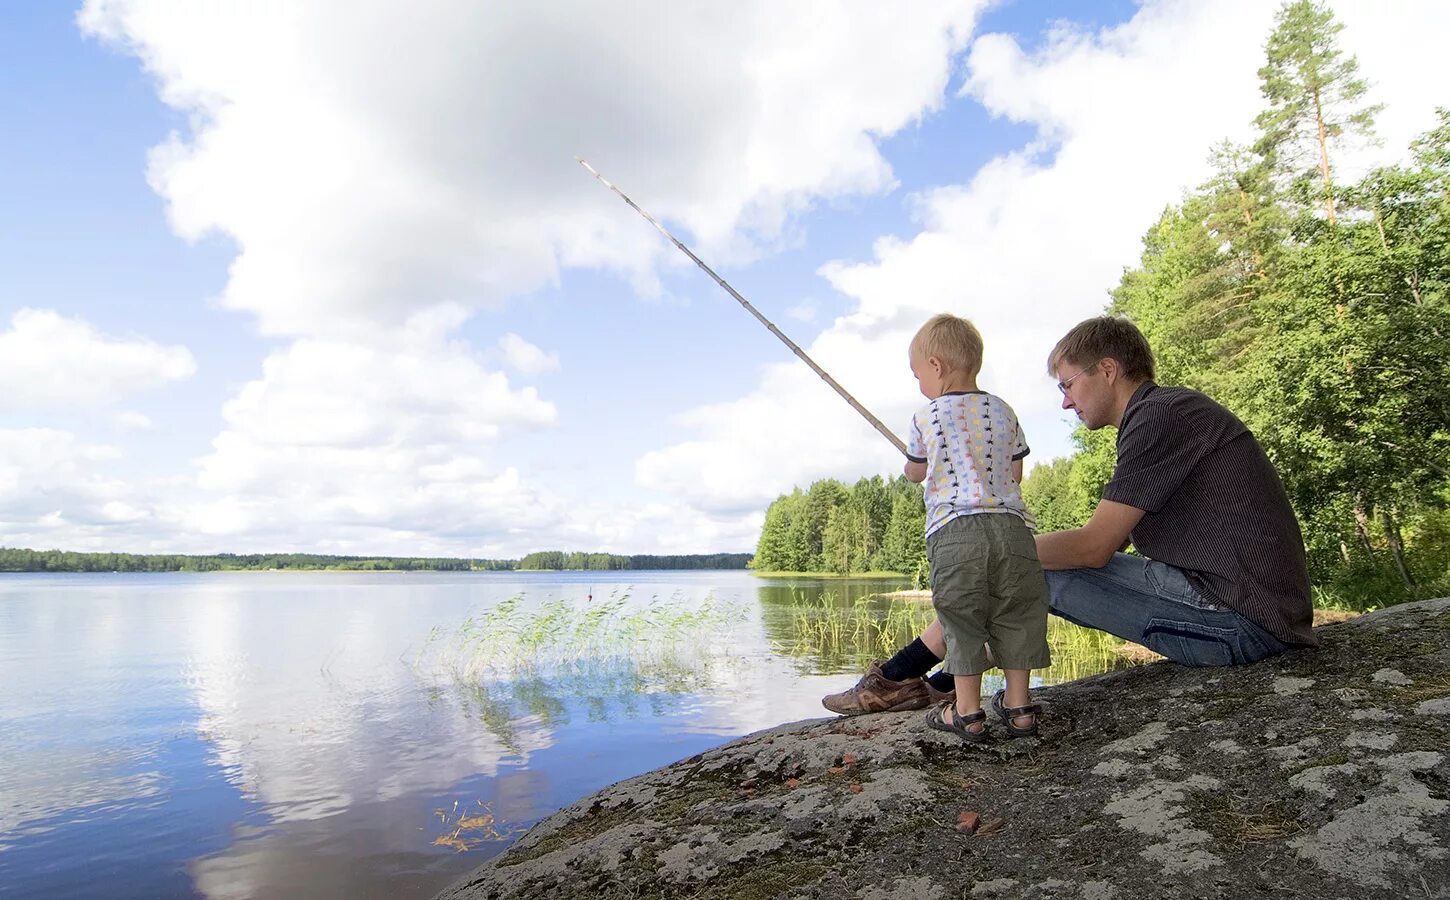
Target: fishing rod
<point x="855" y="404"/>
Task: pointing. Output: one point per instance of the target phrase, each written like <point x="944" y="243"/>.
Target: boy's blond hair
<point x="951" y="339"/>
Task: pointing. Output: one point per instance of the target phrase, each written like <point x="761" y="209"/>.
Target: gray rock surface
<point x="1317" y="774"/>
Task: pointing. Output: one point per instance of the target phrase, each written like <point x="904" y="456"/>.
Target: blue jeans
<point x="1154" y="604"/>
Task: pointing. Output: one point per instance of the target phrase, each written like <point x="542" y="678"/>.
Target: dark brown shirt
<point x="1213" y="506"/>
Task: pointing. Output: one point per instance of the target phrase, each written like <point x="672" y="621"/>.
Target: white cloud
<point x="132" y="420"/>
<point x="525" y="358"/>
<point x="802" y="312"/>
<point x="1032" y="242"/>
<point x="344" y="444"/>
<point x="388" y="158"/>
<point x="49" y="361"/>
<point x="389" y="170"/>
<point x="52" y="489"/>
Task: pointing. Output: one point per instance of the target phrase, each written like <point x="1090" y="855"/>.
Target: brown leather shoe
<point x="936" y="697"/>
<point x="877" y="693"/>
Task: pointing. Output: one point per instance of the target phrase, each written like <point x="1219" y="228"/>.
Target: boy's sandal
<point x="936" y="718"/>
<point x="1008" y="713"/>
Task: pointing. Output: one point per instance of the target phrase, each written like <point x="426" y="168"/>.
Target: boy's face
<point x="930" y="375"/>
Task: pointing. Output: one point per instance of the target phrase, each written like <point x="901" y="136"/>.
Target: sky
<point x="326" y="277"/>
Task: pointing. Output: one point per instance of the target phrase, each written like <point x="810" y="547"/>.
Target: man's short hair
<point x="1100" y="337"/>
<point x="951" y="339"/>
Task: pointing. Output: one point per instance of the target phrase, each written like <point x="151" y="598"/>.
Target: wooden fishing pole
<point x="855" y="404"/>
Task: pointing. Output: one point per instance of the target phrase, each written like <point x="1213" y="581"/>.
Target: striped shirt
<point x="1213" y="506"/>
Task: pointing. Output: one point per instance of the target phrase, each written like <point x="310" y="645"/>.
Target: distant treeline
<point x="558" y="560"/>
<point x="17" y="560"/>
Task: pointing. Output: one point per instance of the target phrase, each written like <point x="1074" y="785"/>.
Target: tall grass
<point x="839" y="637"/>
<point x="510" y="639"/>
<point x="512" y="666"/>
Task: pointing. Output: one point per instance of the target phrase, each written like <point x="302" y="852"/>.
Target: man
<point x="1222" y="577"/>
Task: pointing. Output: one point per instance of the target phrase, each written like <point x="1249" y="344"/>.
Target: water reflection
<point x="301" y="735"/>
<point x="827" y="632"/>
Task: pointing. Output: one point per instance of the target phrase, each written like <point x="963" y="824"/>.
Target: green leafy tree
<point x="1315" y="97"/>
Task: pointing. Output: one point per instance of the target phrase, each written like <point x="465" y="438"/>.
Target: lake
<point x="320" y="734"/>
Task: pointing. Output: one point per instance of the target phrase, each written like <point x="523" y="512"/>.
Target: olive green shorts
<point x="988" y="587"/>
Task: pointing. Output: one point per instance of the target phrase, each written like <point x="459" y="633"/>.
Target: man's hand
<point x="1091" y="546"/>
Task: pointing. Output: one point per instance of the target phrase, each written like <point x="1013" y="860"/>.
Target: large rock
<point x="1317" y="774"/>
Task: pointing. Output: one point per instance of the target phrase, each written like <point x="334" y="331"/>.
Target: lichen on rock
<point x="1319" y="773"/>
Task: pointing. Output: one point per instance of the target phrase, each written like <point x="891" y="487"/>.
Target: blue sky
<point x="327" y="277"/>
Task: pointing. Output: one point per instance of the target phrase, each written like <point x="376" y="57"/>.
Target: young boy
<point x="986" y="583"/>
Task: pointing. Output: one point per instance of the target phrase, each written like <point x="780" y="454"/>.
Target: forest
<point x="556" y="560"/>
<point x="17" y="560"/>
<point x="1313" y="306"/>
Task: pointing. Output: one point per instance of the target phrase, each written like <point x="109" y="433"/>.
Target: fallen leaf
<point x="792" y="783"/>
<point x="850" y="759"/>
<point x="967" y="822"/>
<point x="855" y="788"/>
<point x="990" y="826"/>
<point x="836" y="770"/>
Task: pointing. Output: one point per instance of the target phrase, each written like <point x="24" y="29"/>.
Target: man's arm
<point x="1091" y="546"/>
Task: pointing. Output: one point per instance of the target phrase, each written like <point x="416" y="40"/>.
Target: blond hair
<point x="951" y="339"/>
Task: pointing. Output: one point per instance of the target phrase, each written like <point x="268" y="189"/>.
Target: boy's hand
<point x="915" y="471"/>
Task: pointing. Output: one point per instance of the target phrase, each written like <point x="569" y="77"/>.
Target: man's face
<point x="1086" y="392"/>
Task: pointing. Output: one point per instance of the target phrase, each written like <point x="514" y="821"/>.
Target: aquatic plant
<point x="838" y="637"/>
<point x="513" y="663"/>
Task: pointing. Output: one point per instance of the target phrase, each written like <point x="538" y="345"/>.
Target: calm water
<point x="327" y="734"/>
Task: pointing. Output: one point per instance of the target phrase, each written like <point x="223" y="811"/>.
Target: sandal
<point x="1008" y="713"/>
<point x="960" y="724"/>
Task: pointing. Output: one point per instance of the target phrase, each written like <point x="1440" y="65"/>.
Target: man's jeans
<point x="1155" y="605"/>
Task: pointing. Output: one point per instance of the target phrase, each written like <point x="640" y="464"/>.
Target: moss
<point x="1332" y="759"/>
<point x="1235" y="823"/>
<point x="1226" y="706"/>
<point x="1426" y="687"/>
<point x="761" y="879"/>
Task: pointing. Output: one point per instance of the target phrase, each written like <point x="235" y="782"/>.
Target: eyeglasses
<point x="1064" y="385"/>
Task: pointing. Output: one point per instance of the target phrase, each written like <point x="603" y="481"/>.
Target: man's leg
<point x="1155" y="605"/>
<point x="897" y="683"/>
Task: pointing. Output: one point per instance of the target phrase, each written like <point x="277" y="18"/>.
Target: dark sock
<point x="912" y="661"/>
<point x="942" y="681"/>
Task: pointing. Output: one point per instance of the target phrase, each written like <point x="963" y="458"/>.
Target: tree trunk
<point x="1344" y="552"/>
<point x="1361" y="530"/>
<point x="1397" y="548"/>
<point x="1324" y="157"/>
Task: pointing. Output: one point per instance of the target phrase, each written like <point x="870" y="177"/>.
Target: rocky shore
<point x="1317" y="774"/>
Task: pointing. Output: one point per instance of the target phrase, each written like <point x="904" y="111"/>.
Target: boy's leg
<point x="969" y="698"/>
<point x="1018" y="694"/>
<point x="960" y="592"/>
<point x="1154" y="604"/>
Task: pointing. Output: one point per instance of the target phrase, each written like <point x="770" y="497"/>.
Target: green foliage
<point x="559" y="560"/>
<point x="1318" y="312"/>
<point x="873" y="525"/>
<point x="1314" y="96"/>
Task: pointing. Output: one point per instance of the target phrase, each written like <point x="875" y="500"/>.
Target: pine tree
<point x="1315" y="97"/>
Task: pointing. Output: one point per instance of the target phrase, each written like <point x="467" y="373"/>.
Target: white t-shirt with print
<point x="968" y="440"/>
